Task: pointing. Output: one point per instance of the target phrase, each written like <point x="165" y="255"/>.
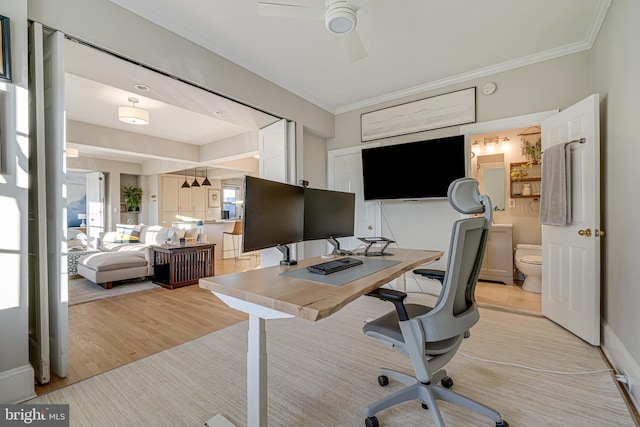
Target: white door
<point x="571" y="254"/>
<point x="52" y="79"/>
<point x="96" y="218"/>
<point x="274" y="150"/>
<point x="345" y="174"/>
<point x="38" y="271"/>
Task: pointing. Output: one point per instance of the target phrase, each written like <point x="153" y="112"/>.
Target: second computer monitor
<point x="328" y="214"/>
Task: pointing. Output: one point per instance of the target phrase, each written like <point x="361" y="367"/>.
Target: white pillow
<point x="175" y="234"/>
<point x="156" y="235"/>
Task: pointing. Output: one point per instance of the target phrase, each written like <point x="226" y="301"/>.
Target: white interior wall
<point x="615" y="69"/>
<point x="552" y="84"/>
<point x="16" y="374"/>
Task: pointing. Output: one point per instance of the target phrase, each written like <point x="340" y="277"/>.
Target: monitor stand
<point x="336" y="247"/>
<point x="286" y="255"/>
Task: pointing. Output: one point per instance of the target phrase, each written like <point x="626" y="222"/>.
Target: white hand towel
<point x="555" y="195"/>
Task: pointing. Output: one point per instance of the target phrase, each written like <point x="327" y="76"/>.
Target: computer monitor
<point x="273" y="215"/>
<point x="328" y="215"/>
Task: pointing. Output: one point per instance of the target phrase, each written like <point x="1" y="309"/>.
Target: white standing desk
<point x="266" y="294"/>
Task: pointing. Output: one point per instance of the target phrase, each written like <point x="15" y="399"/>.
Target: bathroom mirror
<point x="490" y="175"/>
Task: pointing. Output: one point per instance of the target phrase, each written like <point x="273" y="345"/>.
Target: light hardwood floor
<point x="110" y="333"/>
<point x="508" y="297"/>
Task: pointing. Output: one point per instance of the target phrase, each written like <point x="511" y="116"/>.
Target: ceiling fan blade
<point x="289" y="11"/>
<point x="354" y="46"/>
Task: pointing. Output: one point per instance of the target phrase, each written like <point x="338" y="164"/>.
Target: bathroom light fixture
<point x="133" y="115"/>
<point x="493" y="144"/>
<point x="195" y="178"/>
<point x="185" y="184"/>
<point x="206" y="182"/>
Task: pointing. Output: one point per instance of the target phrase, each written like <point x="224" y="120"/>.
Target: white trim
<point x="508" y="123"/>
<point x="16" y="385"/>
<point x="622" y="361"/>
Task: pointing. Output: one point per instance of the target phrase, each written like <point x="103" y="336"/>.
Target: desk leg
<point x="257" y="373"/>
<point x="256" y="359"/>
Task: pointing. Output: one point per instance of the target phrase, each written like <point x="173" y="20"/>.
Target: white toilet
<point x="529" y="263"/>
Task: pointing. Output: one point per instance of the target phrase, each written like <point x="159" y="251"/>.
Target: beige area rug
<point x="325" y="373"/>
<point x="83" y="290"/>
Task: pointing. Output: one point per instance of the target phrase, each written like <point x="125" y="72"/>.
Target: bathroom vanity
<point x="498" y="258"/>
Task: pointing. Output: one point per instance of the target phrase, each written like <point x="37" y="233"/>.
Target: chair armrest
<point x="396" y="297"/>
<point x="430" y="274"/>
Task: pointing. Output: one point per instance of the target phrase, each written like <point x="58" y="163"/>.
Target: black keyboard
<point x="334" y="265"/>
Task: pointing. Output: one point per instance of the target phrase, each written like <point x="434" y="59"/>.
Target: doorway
<point x="500" y="148"/>
<point x="117" y="151"/>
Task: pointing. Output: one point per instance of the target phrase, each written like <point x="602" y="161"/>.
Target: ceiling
<point x="411" y="46"/>
<point x="97" y="83"/>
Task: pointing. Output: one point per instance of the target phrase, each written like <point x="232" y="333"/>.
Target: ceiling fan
<point x="340" y="17"/>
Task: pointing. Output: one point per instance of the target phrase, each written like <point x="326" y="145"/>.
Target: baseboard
<point x="622" y="362"/>
<point x="16" y="385"/>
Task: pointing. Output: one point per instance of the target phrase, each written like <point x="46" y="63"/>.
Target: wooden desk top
<point x="306" y="299"/>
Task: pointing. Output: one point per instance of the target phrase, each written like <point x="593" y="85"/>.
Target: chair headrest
<point x="465" y="197"/>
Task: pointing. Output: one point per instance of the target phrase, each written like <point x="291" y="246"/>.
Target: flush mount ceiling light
<point x="340" y="19"/>
<point x="133" y="115"/>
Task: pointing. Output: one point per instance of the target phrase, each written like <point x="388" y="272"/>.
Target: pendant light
<point x="195" y="178"/>
<point x="206" y="182"/>
<point x="133" y="115"/>
<point x="185" y="184"/>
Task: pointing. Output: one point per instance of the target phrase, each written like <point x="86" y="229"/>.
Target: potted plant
<point x="132" y="197"/>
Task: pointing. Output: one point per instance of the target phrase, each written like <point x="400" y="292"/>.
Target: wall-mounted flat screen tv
<point x="412" y="171"/>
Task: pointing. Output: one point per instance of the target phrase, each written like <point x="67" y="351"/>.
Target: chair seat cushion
<point x="108" y="261"/>
<point x="389" y="326"/>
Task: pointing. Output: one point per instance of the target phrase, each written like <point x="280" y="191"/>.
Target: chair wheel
<point x="447" y="382"/>
<point x="372" y="422"/>
<point x="425" y="406"/>
<point x="383" y="380"/>
<point x="503" y="423"/>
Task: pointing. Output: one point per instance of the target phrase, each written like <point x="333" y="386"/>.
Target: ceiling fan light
<point x="340" y="19"/>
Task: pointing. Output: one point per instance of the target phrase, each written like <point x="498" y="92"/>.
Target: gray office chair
<point x="430" y="337"/>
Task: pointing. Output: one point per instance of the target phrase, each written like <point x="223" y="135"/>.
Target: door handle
<point x="370" y="227"/>
<point x="599" y="233"/>
<point x="586" y="232"/>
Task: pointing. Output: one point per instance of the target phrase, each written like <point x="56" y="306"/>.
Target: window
<point x="231" y="201"/>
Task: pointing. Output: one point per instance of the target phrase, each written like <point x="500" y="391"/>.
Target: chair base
<point x="428" y="394"/>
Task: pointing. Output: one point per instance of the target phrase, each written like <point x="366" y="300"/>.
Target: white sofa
<point x="126" y="253"/>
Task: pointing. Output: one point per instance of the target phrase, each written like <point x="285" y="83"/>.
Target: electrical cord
<point x="534" y="369"/>
<point x="386" y="221"/>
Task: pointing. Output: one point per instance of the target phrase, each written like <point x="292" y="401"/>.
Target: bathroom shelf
<point x="534" y="178"/>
